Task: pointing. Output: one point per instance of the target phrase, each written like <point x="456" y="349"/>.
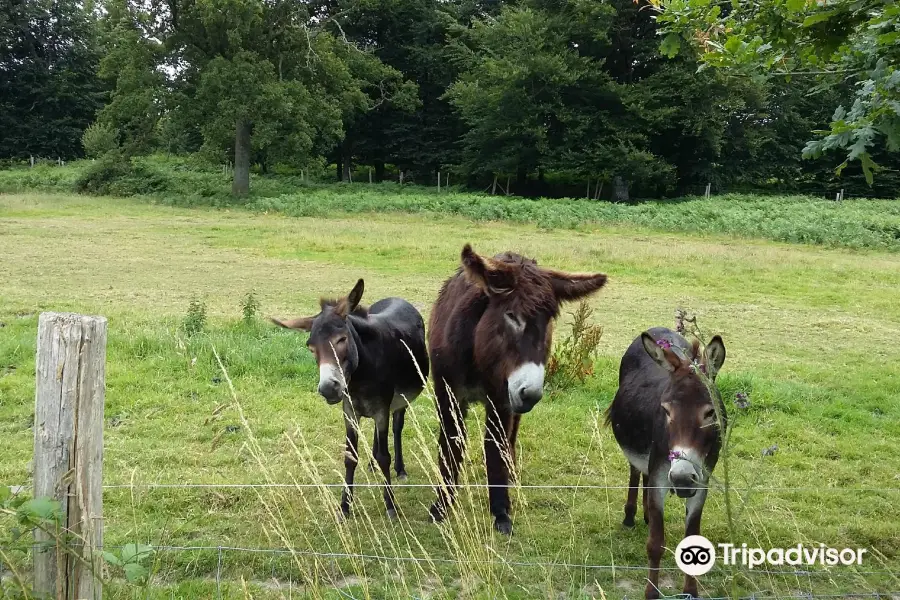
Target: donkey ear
<point x="355" y="295"/>
<point x="303" y="323"/>
<point x="715" y="355"/>
<point x="664" y="357"/>
<point x="573" y="286"/>
<point x="494" y="277"/>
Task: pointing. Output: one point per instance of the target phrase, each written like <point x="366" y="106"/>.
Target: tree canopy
<point x="605" y="98"/>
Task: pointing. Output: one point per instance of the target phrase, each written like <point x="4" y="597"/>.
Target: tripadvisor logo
<point x="695" y="555"/>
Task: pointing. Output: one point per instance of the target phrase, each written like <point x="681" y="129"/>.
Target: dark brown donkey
<point x="665" y="422"/>
<point x="364" y="364"/>
<point x="489" y="337"/>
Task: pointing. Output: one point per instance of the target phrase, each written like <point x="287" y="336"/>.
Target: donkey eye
<point x="666" y="410"/>
<point x="710" y="415"/>
<point x="341" y="339"/>
<point x="514" y="320"/>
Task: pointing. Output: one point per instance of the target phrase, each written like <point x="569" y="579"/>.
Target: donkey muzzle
<point x="684" y="477"/>
<point x="331" y="384"/>
<point x="526" y="387"/>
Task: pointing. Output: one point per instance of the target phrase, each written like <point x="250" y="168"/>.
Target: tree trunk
<point x="619" y="189"/>
<point x="347" y="160"/>
<point x="339" y="164"/>
<point x="240" y="186"/>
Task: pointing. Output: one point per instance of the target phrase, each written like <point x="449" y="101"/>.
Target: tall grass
<point x="856" y="224"/>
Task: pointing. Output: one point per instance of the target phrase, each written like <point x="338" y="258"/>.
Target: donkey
<point x="364" y="364"/>
<point x="665" y="422"/>
<point x="489" y="337"/>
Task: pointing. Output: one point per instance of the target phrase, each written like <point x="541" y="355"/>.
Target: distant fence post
<point x="70" y="387"/>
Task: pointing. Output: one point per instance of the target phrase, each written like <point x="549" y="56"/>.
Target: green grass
<point x="811" y="334"/>
<point x="857" y="224"/>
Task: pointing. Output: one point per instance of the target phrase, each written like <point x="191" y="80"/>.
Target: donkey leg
<point x="646" y="508"/>
<point x="693" y="512"/>
<point x="383" y="458"/>
<point x="657" y="537"/>
<point x="634" y="482"/>
<point x="373" y="462"/>
<point x="497" y="459"/>
<point x="451" y="446"/>
<point x="351" y="459"/>
<point x="399" y="466"/>
<point x="512" y="434"/>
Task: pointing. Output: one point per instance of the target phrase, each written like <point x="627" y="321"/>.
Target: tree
<point x="856" y="40"/>
<point x="256" y="80"/>
<point x="49" y="90"/>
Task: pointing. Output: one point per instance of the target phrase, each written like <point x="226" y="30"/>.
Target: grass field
<point x="812" y="333"/>
<point x="859" y="223"/>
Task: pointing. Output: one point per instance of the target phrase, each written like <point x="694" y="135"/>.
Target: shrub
<point x="99" y="139"/>
<point x="116" y="174"/>
<point x="195" y="319"/>
<point x="573" y="358"/>
<point x="249" y="307"/>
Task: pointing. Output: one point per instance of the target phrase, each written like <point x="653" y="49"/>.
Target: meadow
<point x="811" y="330"/>
<point x="858" y="223"/>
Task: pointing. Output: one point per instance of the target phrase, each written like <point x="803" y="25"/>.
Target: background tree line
<point x="534" y="97"/>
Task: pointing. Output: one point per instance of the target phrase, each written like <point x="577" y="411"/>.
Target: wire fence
<point x="511" y="486"/>
<point x="216" y="555"/>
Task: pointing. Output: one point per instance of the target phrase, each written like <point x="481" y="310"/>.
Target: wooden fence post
<point x="439" y="181"/>
<point x="68" y="450"/>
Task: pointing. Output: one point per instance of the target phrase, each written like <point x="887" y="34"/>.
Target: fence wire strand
<point x="172" y="486"/>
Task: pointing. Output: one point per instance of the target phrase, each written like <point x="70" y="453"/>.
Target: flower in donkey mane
<point x="664" y="344"/>
<point x="674" y="454"/>
<point x="742" y="400"/>
<point x="698" y="367"/>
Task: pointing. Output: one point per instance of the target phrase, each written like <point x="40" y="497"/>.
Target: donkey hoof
<point x="628" y="523"/>
<point x="503" y="524"/>
<point x="402" y="476"/>
<point x="392" y="514"/>
<point x="437" y="512"/>
<point x="343" y="514"/>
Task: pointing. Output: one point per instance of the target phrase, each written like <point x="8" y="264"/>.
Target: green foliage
<point x="19" y="517"/>
<point x="194" y="321"/>
<point x="116" y="174"/>
<point x="48" y="60"/>
<point x="98" y="139"/>
<point x="250" y="307"/>
<point x="134" y="561"/>
<point x="854" y="39"/>
<point x="573" y="357"/>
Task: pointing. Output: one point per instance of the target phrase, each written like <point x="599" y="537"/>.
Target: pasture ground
<point x="812" y="334"/>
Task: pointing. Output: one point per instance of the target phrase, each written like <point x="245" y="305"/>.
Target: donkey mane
<point x="531" y="292"/>
<point x="340" y="307"/>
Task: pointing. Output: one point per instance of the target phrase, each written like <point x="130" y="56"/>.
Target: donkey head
<point x="513" y="336"/>
<point x="332" y="340"/>
<point x="691" y="422"/>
